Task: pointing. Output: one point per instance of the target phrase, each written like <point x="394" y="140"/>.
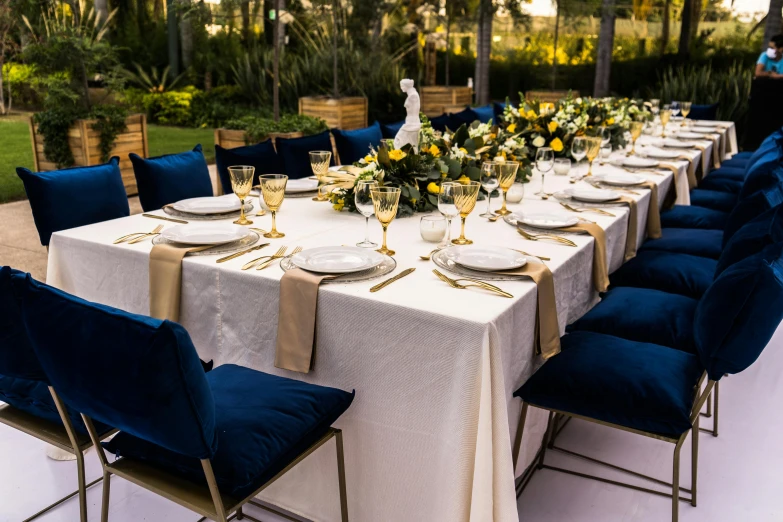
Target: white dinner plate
<point x="205" y="234"/>
<point x="706" y="123"/>
<point x="704" y="130"/>
<point x="676" y="144"/>
<point x="488" y="259"/>
<point x="661" y="154"/>
<point x="620" y="179"/>
<point x="545" y="220"/>
<point x="206" y="206"/>
<point x="690" y="136"/>
<point x="337" y="259"/>
<point x="591" y="195"/>
<point x="297" y="186"/>
<point x="635" y="162"/>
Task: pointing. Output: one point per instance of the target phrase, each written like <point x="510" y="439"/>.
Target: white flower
<point x="539" y="141"/>
<point x="456" y="153"/>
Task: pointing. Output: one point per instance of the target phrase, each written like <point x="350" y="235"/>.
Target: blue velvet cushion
<point x="17" y="358"/>
<point x="440" y="123"/>
<point x="752" y="206"/>
<point x="765" y="173"/>
<point x="352" y="145"/>
<point x="74" y="197"/>
<point x="671" y="272"/>
<point x="295" y="153"/>
<point x="485" y="113"/>
<point x="716" y="200"/>
<point x="737" y="161"/>
<point x="735" y="173"/>
<point x="170" y="178"/>
<point x="742" y="156"/>
<point x="704" y="112"/>
<point x="390" y="130"/>
<point x="644" y="315"/>
<point x="637" y="385"/>
<point x="498" y="109"/>
<point x="135" y="373"/>
<point x="693" y="241"/>
<point x="263" y="423"/>
<point x="686" y="216"/>
<point x="753" y="237"/>
<point x="740" y="312"/>
<point x="465" y="117"/>
<point x="721" y="184"/>
<point x="262" y="156"/>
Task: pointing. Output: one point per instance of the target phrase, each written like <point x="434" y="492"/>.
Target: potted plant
<point x="254" y="129"/>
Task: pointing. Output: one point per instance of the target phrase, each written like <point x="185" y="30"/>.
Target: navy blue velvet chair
<point x="294" y="153"/>
<point x="442" y="123"/>
<point x="654" y="390"/>
<point x="210" y="442"/>
<point x="704" y="112"/>
<point x="352" y="145"/>
<point x="498" y="108"/>
<point x="74" y="197"/>
<point x="486" y="113"/>
<point x="390" y="130"/>
<point x="262" y="156"/>
<point x="29" y="405"/>
<point x="166" y="179"/>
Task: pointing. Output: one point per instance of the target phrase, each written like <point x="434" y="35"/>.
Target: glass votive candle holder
<point x="433" y="228"/>
<point x="515" y="193"/>
<point x="562" y="166"/>
<point x="606" y="151"/>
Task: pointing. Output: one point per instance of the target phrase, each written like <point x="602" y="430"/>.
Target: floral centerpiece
<point x="447" y="156"/>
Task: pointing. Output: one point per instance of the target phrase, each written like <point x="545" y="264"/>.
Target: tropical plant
<point x="259" y="128"/>
<point x="155" y="81"/>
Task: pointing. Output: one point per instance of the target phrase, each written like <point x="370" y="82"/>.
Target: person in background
<point x="770" y="63"/>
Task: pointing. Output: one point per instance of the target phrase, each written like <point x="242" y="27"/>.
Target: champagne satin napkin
<point x="600" y="265"/>
<point x="295" y="349"/>
<point x="715" y="151"/>
<point x="166" y="279"/>
<point x="704" y="157"/>
<point x="630" y="238"/>
<point x="547" y="335"/>
<point x="653" y="212"/>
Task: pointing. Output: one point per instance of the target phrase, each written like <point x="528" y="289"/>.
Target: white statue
<point x="409" y="132"/>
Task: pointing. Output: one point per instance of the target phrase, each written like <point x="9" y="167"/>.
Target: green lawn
<point x="16" y="150"/>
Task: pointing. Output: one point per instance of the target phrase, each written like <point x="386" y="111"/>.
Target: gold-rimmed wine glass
<point x="593" y="150"/>
<point x="273" y="191"/>
<point x="319" y="162"/>
<point x="685" y="107"/>
<point x="507" y="173"/>
<point x="385" y="200"/>
<point x="465" y="200"/>
<point x="635" y="128"/>
<point x="666" y="114"/>
<point x="241" y="182"/>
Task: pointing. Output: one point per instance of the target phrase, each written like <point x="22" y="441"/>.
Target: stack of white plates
<point x="486" y="259"/>
<point x="690" y="136"/>
<point x="548" y="220"/>
<point x="205" y="234"/>
<point x="635" y="162"/>
<point x="620" y="179"/>
<point x="300" y="186"/>
<point x="677" y="144"/>
<point x="337" y="259"/>
<point x="660" y="153"/>
<point x="706" y="123"/>
<point x="208" y="206"/>
<point x="703" y="130"/>
<point x="592" y="195"/>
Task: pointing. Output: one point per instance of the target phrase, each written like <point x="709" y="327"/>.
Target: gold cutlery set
<point x="137" y="237"/>
<point x="544" y="237"/>
<point x="467" y="281"/>
<point x="579" y="210"/>
<point x="262" y="262"/>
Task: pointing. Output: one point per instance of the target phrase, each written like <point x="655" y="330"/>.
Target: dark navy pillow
<point x="295" y="153"/>
<point x="17" y="358"/>
<point x="752" y="238"/>
<point x="167" y="179"/>
<point x="74" y="197"/>
<point x="704" y="112"/>
<point x="751" y="207"/>
<point x="739" y="313"/>
<point x="352" y="145"/>
<point x="485" y="113"/>
<point x="262" y="156"/>
<point x="765" y="171"/>
<point x="390" y="130"/>
<point x="439" y="123"/>
<point x="465" y="117"/>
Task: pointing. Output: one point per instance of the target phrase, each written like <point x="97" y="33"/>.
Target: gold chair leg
<point x="715" y="420"/>
<point x="518" y="438"/>
<point x="676" y="481"/>
<point x="341" y="476"/>
<point x="694" y="459"/>
<point x="82" y="486"/>
<point x="105" y="498"/>
<point x="708" y="413"/>
<point x="547" y="435"/>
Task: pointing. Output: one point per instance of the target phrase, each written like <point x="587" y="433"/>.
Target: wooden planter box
<point x="549" y="96"/>
<point x="339" y="113"/>
<point x="438" y="99"/>
<point x="85" y="143"/>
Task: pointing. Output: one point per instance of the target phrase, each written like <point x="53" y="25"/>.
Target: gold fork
<point x="454" y="283"/>
<point x="250" y="264"/>
<point x="538" y="237"/>
<point x="596" y="210"/>
<point x="618" y="189"/>
<point x="542" y="258"/>
<point x="128" y="236"/>
<point x="642" y="171"/>
<point x="273" y="258"/>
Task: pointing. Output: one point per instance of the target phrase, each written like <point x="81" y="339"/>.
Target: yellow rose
<point x="339" y="205"/>
<point x="531" y="115"/>
<point x="434" y="150"/>
<point x="552" y="126"/>
<point x="463" y="179"/>
<point x="556" y="145"/>
<point x="433" y="188"/>
<point x="511" y="128"/>
<point x="396" y="155"/>
<point x="610" y="121"/>
<point x="369" y="158"/>
<point x="463" y="150"/>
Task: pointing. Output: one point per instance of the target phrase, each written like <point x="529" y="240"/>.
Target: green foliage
<point x="53" y="125"/>
<point x="168" y="108"/>
<point x="110" y="122"/>
<point x="215" y="107"/>
<point x="19" y="79"/>
<point x="17" y="152"/>
<point x="154" y="81"/>
<point x="258" y="128"/>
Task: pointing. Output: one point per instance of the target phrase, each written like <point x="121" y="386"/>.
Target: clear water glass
<point x="364" y="204"/>
<point x="447" y="204"/>
<point x="579" y="149"/>
<point x="545" y="160"/>
<point x="489" y="182"/>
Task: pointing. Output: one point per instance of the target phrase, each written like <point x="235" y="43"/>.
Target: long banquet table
<point x="429" y="434"/>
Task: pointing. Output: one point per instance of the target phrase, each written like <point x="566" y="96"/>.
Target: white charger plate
<point x="704" y="130"/>
<point x="205" y="234"/>
<point x="296" y="186"/>
<point x="488" y="259"/>
<point x="591" y="195"/>
<point x="620" y="179"/>
<point x="676" y="144"/>
<point x="690" y="136"/>
<point x="209" y="205"/>
<point x="661" y="154"/>
<point x="636" y="162"/>
<point x="706" y="123"/>
<point x="337" y="259"/>
<point x="549" y="220"/>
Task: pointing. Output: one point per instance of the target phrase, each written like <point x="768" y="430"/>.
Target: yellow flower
<point x="492" y="136"/>
<point x="556" y="145"/>
<point x="531" y="115"/>
<point x="396" y="155"/>
<point x="552" y="126"/>
<point x="610" y="121"/>
<point x="463" y="150"/>
<point x="433" y="188"/>
<point x="463" y="179"/>
<point x="511" y="128"/>
<point x="339" y="205"/>
<point x="369" y="158"/>
<point x="434" y="150"/>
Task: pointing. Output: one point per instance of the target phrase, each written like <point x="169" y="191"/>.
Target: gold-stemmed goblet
<point x="319" y="162"/>
<point x="241" y="182"/>
<point x="273" y="191"/>
<point x="635" y="128"/>
<point x="507" y="173"/>
<point x="465" y="200"/>
<point x="666" y="115"/>
<point x="385" y="200"/>
<point x="593" y="150"/>
<point x="685" y="107"/>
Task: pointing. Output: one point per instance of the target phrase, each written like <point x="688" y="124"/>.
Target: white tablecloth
<point x="428" y="437"/>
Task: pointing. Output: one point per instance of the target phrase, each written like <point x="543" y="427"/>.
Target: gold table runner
<point x="165" y="279"/>
<point x="600" y="265"/>
<point x="630" y="238"/>
<point x="653" y="212"/>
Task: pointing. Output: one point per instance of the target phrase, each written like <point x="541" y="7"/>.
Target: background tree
<point x="774" y="24"/>
<point x="486" y="12"/>
<point x="603" y="62"/>
<point x="9" y="22"/>
<point x="665" y="26"/>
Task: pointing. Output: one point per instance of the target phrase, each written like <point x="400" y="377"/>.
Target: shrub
<point x="258" y="128"/>
<point x="20" y="80"/>
<point x="215" y="107"/>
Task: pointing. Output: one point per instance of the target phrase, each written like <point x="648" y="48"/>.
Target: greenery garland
<point x="110" y="122"/>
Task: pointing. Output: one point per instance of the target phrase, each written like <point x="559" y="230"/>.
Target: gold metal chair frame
<point x="204" y="500"/>
<point x="63" y="437"/>
<point x="552" y="430"/>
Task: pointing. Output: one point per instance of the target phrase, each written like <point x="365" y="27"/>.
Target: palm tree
<point x="276" y="64"/>
<point x="483" y="50"/>
<point x="603" y="63"/>
<point x="665" y="25"/>
<point x="172" y="36"/>
<point x="774" y="22"/>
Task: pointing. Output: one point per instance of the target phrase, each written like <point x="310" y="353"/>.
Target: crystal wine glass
<point x="545" y="160"/>
<point x="666" y="114"/>
<point x="241" y="182"/>
<point x="635" y="128"/>
<point x="507" y="173"/>
<point x="385" y="200"/>
<point x="593" y="149"/>
<point x="273" y="190"/>
<point x="489" y="182"/>
<point x="685" y="107"/>
<point x="465" y="200"/>
<point x="319" y="162"/>
<point x="446" y="204"/>
<point x="579" y="149"/>
<point x="364" y="204"/>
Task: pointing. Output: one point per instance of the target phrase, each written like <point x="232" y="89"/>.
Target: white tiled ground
<point x="740" y="477"/>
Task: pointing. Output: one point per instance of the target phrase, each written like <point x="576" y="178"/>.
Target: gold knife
<point x="241" y="253"/>
<point x="389" y="281"/>
<point x="180" y="221"/>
